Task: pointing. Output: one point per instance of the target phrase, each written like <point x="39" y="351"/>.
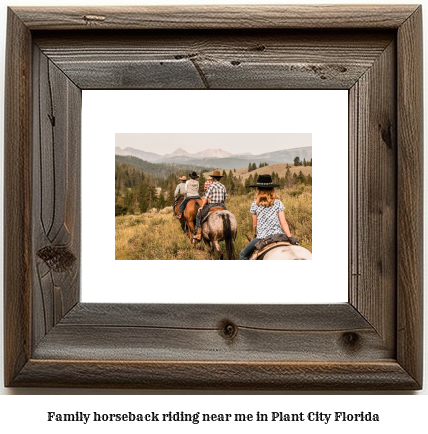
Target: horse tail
<point x="227" y="231"/>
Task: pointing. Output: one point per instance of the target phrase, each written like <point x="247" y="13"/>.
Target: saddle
<point x="216" y="208"/>
<point x="270" y="242"/>
<point x="258" y="254"/>
<point x="190" y="198"/>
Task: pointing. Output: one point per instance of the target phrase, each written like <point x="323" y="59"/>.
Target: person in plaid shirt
<point x="215" y="195"/>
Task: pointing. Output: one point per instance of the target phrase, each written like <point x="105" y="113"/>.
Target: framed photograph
<point x="144" y="243"/>
<point x="373" y="340"/>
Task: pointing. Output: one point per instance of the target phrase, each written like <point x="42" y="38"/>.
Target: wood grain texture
<point x="385" y="375"/>
<point x="17" y="199"/>
<point x="410" y="196"/>
<point x="56" y="194"/>
<point x="216" y="59"/>
<point x="372" y="342"/>
<point x="373" y="177"/>
<point x="199" y="332"/>
<point x="216" y="17"/>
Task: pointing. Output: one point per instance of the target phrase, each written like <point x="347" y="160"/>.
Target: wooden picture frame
<point x="372" y="342"/>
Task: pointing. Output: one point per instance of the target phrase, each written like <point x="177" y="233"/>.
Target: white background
<point x="400" y="413"/>
<point x="322" y="113"/>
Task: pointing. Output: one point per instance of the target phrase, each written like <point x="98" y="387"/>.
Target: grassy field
<point x="280" y="169"/>
<point x="159" y="235"/>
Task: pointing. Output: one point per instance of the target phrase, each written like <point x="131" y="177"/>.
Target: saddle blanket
<point x="272" y="239"/>
<point x="216" y="208"/>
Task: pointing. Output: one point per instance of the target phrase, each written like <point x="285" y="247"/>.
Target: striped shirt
<point x="216" y="192"/>
<point x="207" y="184"/>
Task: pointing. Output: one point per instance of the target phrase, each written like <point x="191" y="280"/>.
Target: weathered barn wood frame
<point x="372" y="342"/>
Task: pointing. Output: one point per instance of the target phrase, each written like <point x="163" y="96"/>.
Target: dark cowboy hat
<point x="265" y="181"/>
<point x="217" y="174"/>
<point x="194" y="175"/>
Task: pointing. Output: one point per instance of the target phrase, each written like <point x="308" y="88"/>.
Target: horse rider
<point x="268" y="214"/>
<point x="191" y="190"/>
<point x="208" y="182"/>
<point x="180" y="190"/>
<point x="215" y="195"/>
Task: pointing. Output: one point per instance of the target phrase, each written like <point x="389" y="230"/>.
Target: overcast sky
<point x="235" y="143"/>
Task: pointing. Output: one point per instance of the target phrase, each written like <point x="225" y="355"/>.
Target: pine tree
<point x="247" y="183"/>
<point x="301" y="178"/>
<point x="288" y="177"/>
<point x="142" y="197"/>
<point x="201" y="180"/>
<point x="294" y="178"/>
<point x="151" y="195"/>
<point x="161" y="200"/>
<point x="297" y="161"/>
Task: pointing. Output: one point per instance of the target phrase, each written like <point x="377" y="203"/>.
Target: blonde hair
<point x="265" y="196"/>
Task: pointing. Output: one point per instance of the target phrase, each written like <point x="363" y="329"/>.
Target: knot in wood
<point x="258" y="48"/>
<point x="94" y="18"/>
<point x="351" y="340"/>
<point x="58" y="259"/>
<point x="228" y="330"/>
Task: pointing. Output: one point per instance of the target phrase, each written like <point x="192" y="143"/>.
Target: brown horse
<point x="176" y="209"/>
<point x="220" y="226"/>
<point x="189" y="215"/>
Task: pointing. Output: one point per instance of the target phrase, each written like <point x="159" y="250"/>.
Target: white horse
<point x="288" y="253"/>
<point x="282" y="251"/>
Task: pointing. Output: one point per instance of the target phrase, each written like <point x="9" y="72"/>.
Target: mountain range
<point x="218" y="157"/>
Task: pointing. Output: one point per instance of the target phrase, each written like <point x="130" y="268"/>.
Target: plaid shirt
<point x="216" y="192"/>
<point x="207" y="184"/>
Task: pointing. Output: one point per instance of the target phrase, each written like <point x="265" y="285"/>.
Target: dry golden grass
<point x="280" y="169"/>
<point x="159" y="236"/>
<point x="239" y="172"/>
<point x="298" y="213"/>
<point x="153" y="236"/>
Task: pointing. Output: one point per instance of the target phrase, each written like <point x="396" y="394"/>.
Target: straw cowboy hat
<point x="217" y="174"/>
<point x="194" y="175"/>
<point x="265" y="181"/>
<point x="183" y="178"/>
